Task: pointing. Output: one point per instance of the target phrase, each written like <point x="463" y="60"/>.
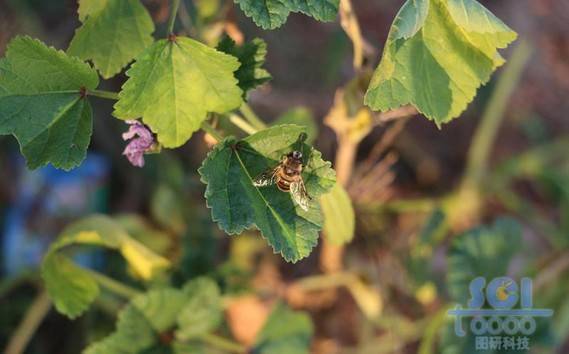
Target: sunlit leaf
<point x="42" y="105"/>
<point x="339" y="216"/>
<point x="113" y="33"/>
<point x="437" y="55"/>
<point x="71" y="287"/>
<point x="271" y="14"/>
<point x="238" y="205"/>
<point x="174" y="84"/>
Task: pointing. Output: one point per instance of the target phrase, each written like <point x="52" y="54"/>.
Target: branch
<point x="401" y="112"/>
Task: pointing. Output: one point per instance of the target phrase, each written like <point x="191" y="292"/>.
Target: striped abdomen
<point x="285" y="177"/>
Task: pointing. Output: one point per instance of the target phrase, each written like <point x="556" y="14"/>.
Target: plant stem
<point x="206" y="127"/>
<point x="493" y="116"/>
<point x="326" y="281"/>
<point x="103" y="94"/>
<point x="251" y="117"/>
<point x="425" y="205"/>
<point x="175" y="4"/>
<point x="223" y="343"/>
<point x="114" y="286"/>
<point x="242" y="124"/>
<point x="31" y="321"/>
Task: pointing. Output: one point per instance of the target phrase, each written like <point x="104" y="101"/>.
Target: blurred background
<point x="420" y="194"/>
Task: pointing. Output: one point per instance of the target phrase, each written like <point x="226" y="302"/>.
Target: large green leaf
<point x="482" y="252"/>
<point x="251" y="73"/>
<point x="437" y="55"/>
<point x="339" y="216"/>
<point x="271" y="14"/>
<point x="42" y="105"/>
<point x="286" y="332"/>
<point x="238" y="205"/>
<point x="174" y="84"/>
<point x="113" y="33"/>
<point x="165" y="319"/>
<point x="72" y="288"/>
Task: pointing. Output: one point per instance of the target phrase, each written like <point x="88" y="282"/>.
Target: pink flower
<point x="142" y="141"/>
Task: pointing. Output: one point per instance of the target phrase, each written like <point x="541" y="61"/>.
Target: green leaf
<point x="339" y="216"/>
<point x="300" y="116"/>
<point x="165" y="319"/>
<point x="113" y="33"/>
<point x="174" y="84"/>
<point x="41" y="103"/>
<point x="72" y="288"/>
<point x="271" y="14"/>
<point x="410" y="19"/>
<point x="202" y="312"/>
<point x="286" y="332"/>
<point x="437" y="56"/>
<point x="251" y="73"/>
<point x="141" y="322"/>
<point x="238" y="205"/>
<point x="482" y="252"/>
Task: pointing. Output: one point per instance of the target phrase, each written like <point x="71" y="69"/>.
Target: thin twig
<point x="381" y="146"/>
<point x="401" y="112"/>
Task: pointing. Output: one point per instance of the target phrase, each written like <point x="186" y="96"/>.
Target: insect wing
<point x="266" y="178"/>
<point x="299" y="194"/>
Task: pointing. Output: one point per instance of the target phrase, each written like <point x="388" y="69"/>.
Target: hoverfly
<point x="288" y="178"/>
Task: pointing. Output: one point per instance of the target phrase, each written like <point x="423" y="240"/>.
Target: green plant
<point x="438" y="53"/>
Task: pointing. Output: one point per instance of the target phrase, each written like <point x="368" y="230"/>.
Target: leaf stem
<point x="251" y="117"/>
<point x="31" y="321"/>
<point x="485" y="136"/>
<point x="223" y="343"/>
<point x="103" y="94"/>
<point x="208" y="128"/>
<point x="326" y="281"/>
<point x="175" y="4"/>
<point x="114" y="286"/>
<point x="242" y="124"/>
